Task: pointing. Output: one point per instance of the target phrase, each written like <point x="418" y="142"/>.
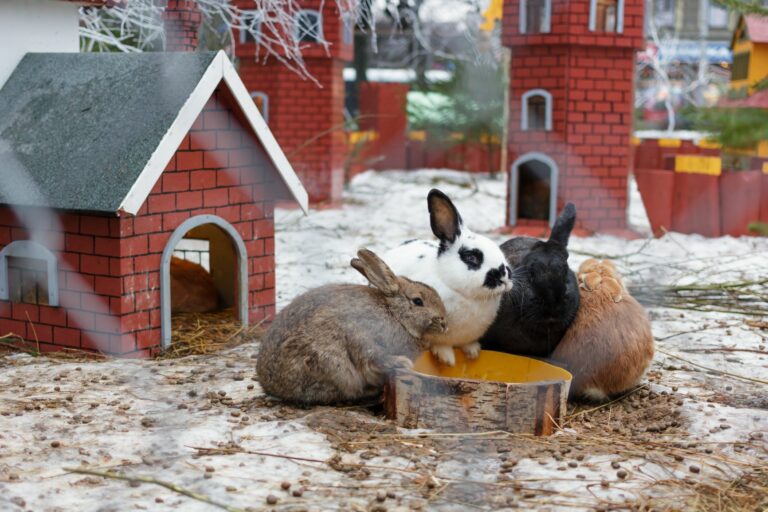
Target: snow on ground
<point x="201" y="422"/>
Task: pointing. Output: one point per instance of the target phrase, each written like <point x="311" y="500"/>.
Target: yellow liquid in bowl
<point x="492" y="366"/>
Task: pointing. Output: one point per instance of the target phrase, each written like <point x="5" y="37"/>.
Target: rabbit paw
<point x="472" y="351"/>
<point x="400" y="362"/>
<point x="614" y="288"/>
<point x="444" y="354"/>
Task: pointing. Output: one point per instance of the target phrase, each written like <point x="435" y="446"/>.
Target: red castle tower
<point x="571" y="93"/>
<point x="306" y="118"/>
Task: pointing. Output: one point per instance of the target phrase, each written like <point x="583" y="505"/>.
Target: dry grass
<point x="206" y="333"/>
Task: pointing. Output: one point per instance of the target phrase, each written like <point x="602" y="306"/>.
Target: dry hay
<point x="206" y="333"/>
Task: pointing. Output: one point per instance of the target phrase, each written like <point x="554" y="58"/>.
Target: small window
<point x="536" y="111"/>
<point x="251" y="27"/>
<point x="309" y="26"/>
<point x="664" y="13"/>
<point x="262" y="103"/>
<point x="535" y="16"/>
<point x="740" y="69"/>
<point x="717" y="16"/>
<point x="27" y="280"/>
<point x="606" y="16"/>
<point x="28" y="274"/>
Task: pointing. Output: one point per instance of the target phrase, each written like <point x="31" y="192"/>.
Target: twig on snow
<point x="114" y="475"/>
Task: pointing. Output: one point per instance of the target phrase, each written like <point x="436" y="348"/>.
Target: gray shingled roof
<point x="76" y="130"/>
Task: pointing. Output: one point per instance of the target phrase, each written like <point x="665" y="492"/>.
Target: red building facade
<point x="78" y="274"/>
<point x="571" y="95"/>
<point x="306" y="117"/>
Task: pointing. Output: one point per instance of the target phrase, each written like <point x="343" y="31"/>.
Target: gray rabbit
<point x="336" y="343"/>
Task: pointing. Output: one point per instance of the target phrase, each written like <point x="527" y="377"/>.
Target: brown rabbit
<point x="609" y="345"/>
<point x="192" y="288"/>
<point x="336" y="343"/>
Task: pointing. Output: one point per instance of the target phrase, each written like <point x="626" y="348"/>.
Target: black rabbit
<point x="535" y="314"/>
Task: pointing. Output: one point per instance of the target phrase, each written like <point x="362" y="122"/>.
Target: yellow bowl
<point x="496" y="391"/>
<point x="493" y="366"/>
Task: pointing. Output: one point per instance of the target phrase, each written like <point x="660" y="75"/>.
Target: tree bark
<point x="417" y="400"/>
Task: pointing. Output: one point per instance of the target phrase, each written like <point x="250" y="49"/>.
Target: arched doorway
<point x="227" y="261"/>
<point x="533" y="189"/>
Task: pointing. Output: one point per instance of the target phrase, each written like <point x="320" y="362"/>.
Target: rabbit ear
<point x="444" y="218"/>
<point x="561" y="231"/>
<point x="376" y="272"/>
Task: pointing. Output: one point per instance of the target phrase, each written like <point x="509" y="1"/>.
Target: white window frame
<point x="256" y="18"/>
<point x="297" y="26"/>
<point x="547" y="25"/>
<point x="665" y="18"/>
<point x="619" y="17"/>
<point x="547" y="109"/>
<point x="265" y="101"/>
<point x="32" y="250"/>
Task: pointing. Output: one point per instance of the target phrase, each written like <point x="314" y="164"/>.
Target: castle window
<point x="536" y="110"/>
<point x="535" y="16"/>
<point x="664" y="13"/>
<point x="251" y="21"/>
<point x="717" y="16"/>
<point x="309" y="26"/>
<point x="262" y="103"/>
<point x="29" y="274"/>
<point x="606" y="16"/>
<point x="533" y="188"/>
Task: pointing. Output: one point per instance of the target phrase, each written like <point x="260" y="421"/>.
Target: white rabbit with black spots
<point x="467" y="270"/>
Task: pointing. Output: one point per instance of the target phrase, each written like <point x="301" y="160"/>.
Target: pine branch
<point x="744" y="6"/>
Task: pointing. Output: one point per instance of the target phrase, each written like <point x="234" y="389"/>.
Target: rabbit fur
<point x="535" y="315"/>
<point x="336" y="343"/>
<point x="468" y="271"/>
<point x="609" y="345"/>
<point x="192" y="288"/>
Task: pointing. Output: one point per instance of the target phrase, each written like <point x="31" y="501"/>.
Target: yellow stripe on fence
<point x="670" y="143"/>
<point x="695" y="164"/>
<point x="708" y="144"/>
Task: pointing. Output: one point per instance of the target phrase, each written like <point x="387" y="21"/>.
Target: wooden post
<point x="419" y="400"/>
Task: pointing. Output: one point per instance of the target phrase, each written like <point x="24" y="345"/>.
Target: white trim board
<point x="220" y="70"/>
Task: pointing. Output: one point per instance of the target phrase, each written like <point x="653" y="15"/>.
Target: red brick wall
<point x="570" y="26"/>
<point x="590" y="78"/>
<point x="182" y="21"/>
<point x="109" y="278"/>
<point x="307" y="118"/>
<point x="383" y="110"/>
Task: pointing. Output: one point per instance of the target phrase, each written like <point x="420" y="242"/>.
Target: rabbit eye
<point x="418" y="301"/>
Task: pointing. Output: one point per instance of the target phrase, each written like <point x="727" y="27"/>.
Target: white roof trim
<point x="219" y="69"/>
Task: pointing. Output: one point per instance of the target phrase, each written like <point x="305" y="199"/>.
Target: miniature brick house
<point x="107" y="162"/>
<point x="571" y="88"/>
<point x="306" y="118"/>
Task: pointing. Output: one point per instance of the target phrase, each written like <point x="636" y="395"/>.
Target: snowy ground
<point x="692" y="438"/>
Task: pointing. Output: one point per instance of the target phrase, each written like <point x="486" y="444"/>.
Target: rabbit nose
<point x="443" y="325"/>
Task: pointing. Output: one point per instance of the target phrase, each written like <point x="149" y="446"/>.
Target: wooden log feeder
<point x="496" y="391"/>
